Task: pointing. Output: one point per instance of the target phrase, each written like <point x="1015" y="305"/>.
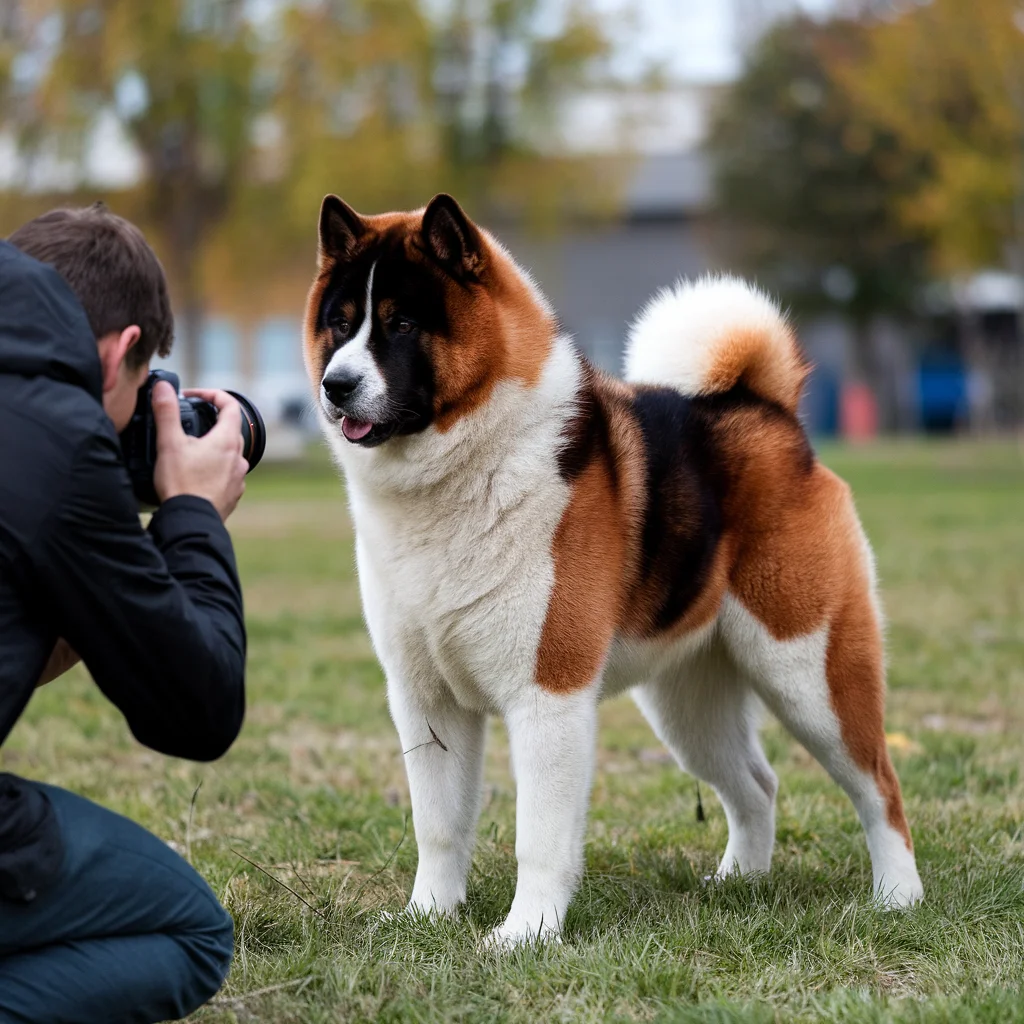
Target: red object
<point x="858" y="413"/>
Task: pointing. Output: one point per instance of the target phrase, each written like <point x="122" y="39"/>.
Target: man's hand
<point x="211" y="466"/>
<point x="61" y="659"/>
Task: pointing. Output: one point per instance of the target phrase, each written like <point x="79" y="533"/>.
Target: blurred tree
<point x="245" y="115"/>
<point x="497" y="79"/>
<point x="351" y="105"/>
<point x="387" y="101"/>
<point x="499" y="84"/>
<point x="8" y="50"/>
<point x="809" y="184"/>
<point x="956" y="71"/>
<point x="179" y="74"/>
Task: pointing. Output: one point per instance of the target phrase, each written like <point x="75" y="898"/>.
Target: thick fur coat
<point x="533" y="535"/>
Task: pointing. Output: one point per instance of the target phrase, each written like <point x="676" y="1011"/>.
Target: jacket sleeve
<point x="156" y="616"/>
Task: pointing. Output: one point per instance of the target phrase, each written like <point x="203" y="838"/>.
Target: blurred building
<point x="960" y="365"/>
<point x="599" y="274"/>
<point x="597" y="269"/>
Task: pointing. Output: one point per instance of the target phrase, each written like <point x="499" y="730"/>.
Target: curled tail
<point x="706" y="336"/>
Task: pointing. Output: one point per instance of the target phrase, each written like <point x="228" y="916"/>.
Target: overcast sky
<point x="695" y="38"/>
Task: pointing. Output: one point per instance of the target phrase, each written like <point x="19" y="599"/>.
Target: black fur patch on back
<point x="689" y="476"/>
<point x="683" y="517"/>
<point x="586" y="433"/>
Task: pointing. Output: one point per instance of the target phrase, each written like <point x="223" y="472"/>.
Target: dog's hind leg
<point x="706" y="714"/>
<point x="444" y="748"/>
<point x="827" y="688"/>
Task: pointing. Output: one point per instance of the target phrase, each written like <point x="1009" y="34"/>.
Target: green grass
<point x="314" y="791"/>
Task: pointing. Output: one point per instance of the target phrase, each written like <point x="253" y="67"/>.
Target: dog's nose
<point x="340" y="386"/>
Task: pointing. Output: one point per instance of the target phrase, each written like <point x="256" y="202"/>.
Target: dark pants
<point x="126" y="932"/>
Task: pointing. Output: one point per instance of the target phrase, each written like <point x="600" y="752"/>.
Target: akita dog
<point x="533" y="535"/>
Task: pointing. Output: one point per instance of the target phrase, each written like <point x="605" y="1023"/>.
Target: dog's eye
<point x="341" y="327"/>
<point x="403" y="325"/>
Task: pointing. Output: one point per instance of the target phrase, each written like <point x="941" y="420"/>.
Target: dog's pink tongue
<point x="355" y="430"/>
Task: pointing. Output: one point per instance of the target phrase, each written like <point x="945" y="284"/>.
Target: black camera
<point x="138" y="439"/>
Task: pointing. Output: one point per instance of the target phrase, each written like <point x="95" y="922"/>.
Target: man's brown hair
<point x="112" y="270"/>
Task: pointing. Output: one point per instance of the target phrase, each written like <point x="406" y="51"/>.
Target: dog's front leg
<point x="552" y="739"/>
<point x="444" y="747"/>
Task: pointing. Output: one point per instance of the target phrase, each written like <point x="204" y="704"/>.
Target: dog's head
<point x="413" y="319"/>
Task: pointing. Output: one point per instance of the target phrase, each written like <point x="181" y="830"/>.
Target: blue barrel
<point x="941" y="393"/>
<point x="820" y="407"/>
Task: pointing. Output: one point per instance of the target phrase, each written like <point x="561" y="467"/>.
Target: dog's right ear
<point x="340" y="229"/>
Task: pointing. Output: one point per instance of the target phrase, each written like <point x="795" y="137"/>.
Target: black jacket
<point x="156" y="615"/>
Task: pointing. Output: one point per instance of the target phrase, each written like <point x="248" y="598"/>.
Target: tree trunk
<point x="188" y="313"/>
<point x="183" y="231"/>
<point x="981" y="383"/>
<point x="189" y="323"/>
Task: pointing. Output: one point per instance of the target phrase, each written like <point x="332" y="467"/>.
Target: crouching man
<point x="99" y="920"/>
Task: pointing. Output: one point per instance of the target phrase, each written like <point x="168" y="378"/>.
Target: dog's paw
<point x="513" y="935"/>
<point x="428" y="911"/>
<point x="729" y="870"/>
<point x="420" y="912"/>
<point x="899" y="895"/>
<point x="720" y="876"/>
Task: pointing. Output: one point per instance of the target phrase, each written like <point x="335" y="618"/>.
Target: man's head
<point x="121" y="285"/>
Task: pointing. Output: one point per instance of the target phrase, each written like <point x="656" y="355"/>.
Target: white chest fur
<point x="454" y="535"/>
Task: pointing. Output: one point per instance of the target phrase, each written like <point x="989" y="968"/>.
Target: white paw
<point x="899" y="895"/>
<point x="420" y="912"/>
<point x="512" y="935"/>
<point x="731" y="869"/>
<point x="725" y="870"/>
<point x="416" y="908"/>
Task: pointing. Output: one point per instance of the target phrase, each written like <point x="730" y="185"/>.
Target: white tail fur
<point x="706" y="336"/>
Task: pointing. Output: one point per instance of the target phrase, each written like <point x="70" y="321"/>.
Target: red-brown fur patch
<point x="312" y="343"/>
<point x="595" y="549"/>
<point x="499" y="332"/>
<point x="775" y="371"/>
<point x="585" y="605"/>
<point x="802" y="565"/>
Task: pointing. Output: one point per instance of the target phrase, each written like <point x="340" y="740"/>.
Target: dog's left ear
<point x="453" y="239"/>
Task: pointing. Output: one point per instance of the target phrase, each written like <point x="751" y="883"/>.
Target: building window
<point x="278" y="347"/>
<point x="219" y="348"/>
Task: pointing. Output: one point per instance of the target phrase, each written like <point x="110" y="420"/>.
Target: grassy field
<point x="314" y="793"/>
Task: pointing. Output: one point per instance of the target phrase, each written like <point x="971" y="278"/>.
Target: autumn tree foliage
<point x="810" y="183"/>
<point x="244" y="120"/>
<point x="946" y="78"/>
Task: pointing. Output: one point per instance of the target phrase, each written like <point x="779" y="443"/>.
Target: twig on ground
<point x="295" y="871"/>
<point x="284" y="885"/>
<point x="188" y="827"/>
<point x="224" y="1000"/>
<point x="387" y="863"/>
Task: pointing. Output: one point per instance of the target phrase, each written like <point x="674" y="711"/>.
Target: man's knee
<point x="210" y="947"/>
<point x="121" y="884"/>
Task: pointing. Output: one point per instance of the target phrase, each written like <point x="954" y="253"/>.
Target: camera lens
<point x="254" y="433"/>
<point x="138" y="439"/>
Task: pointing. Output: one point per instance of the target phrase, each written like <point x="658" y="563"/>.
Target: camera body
<point x="138" y="439"/>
